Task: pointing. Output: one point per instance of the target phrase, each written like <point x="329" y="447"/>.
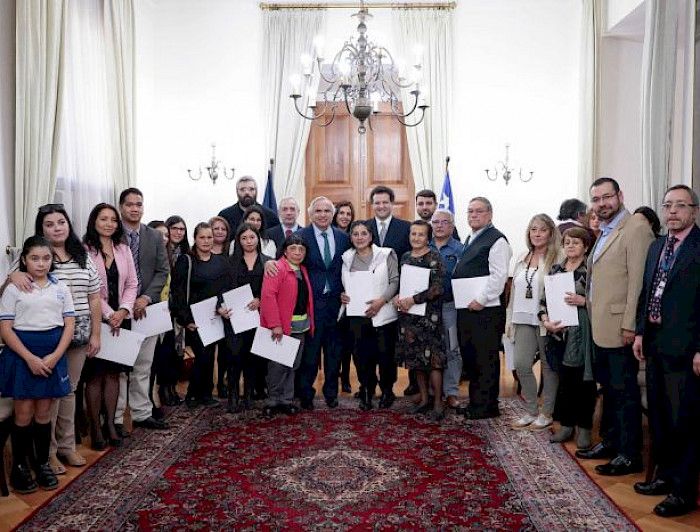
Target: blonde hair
<point x="553" y="253"/>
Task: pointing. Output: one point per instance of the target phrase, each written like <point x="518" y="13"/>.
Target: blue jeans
<point x="453" y="371"/>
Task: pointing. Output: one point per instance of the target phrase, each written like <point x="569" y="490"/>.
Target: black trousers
<point x="479" y="334"/>
<point x="674" y="418"/>
<point x="201" y="383"/>
<point x="223" y="356"/>
<point x="374" y="346"/>
<point x="576" y="398"/>
<point x="621" y="423"/>
<point x="346" y="350"/>
<point x="166" y="362"/>
<point x="241" y="359"/>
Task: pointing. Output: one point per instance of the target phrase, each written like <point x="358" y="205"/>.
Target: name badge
<point x="660" y="289"/>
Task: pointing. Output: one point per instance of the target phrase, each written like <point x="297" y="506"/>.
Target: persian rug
<point x="339" y="469"/>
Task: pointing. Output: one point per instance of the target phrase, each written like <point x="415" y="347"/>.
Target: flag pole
<point x="447" y="163"/>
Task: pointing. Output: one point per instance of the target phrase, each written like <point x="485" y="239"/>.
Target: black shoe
<point x="673" y="506"/>
<point x="332" y="402"/>
<point x="290" y="410"/>
<point x="269" y="411"/>
<point x="157" y="413"/>
<point x="346" y="388"/>
<point x="412" y="389"/>
<point x="121" y="430"/>
<point x="175" y="399"/>
<point x="208" y="401"/>
<point x="655" y="487"/>
<point x="191" y="402"/>
<point x="386" y="400"/>
<point x="474" y="415"/>
<point x="151" y="423"/>
<point x="222" y="391"/>
<point x="307" y="404"/>
<point x="620" y="465"/>
<point x="46" y="478"/>
<point x="21" y="480"/>
<point x="599" y="451"/>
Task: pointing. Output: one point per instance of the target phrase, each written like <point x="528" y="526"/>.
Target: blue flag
<point x="446" y="201"/>
<point x="269" y="200"/>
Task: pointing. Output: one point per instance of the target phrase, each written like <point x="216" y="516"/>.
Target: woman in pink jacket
<point x="287" y="308"/>
<point x="106" y="246"/>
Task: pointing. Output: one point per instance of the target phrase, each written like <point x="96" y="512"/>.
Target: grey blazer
<point x="153" y="263"/>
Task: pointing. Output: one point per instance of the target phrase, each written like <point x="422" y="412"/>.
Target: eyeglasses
<point x="51" y="207"/>
<point x="441" y="222"/>
<point x="679" y="205"/>
<point x="606" y="197"/>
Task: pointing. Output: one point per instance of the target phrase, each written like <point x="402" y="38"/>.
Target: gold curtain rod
<point x="354" y="5"/>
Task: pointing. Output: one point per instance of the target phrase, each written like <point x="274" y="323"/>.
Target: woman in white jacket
<point x="369" y="269"/>
<point x="523" y="325"/>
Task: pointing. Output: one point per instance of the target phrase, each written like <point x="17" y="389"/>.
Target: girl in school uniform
<point x="37" y="328"/>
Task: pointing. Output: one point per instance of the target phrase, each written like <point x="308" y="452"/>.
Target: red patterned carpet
<point x="333" y="470"/>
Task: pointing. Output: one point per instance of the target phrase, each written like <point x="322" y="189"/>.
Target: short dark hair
<point x="35" y="241"/>
<point x="578" y="232"/>
<point x="426" y="193"/>
<point x="294" y="240"/>
<point x="357" y="223"/>
<point x="571" y="209"/>
<point x="155" y="224"/>
<point x="126" y="192"/>
<point x="262" y="234"/>
<point x="423" y="223"/>
<point x="92" y="237"/>
<point x="651" y="217"/>
<point x="381" y="189"/>
<point x="603" y="180"/>
<point x="693" y="195"/>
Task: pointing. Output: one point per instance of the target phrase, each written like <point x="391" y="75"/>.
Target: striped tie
<point x="134" y="245"/>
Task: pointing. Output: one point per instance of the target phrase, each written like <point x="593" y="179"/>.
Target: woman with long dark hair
<point x="222" y="246"/>
<point x="178" y="243"/>
<point x="107" y="247"/>
<point x="255" y="216"/>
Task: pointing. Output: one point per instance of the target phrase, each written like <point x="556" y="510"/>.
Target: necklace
<point x="528" y="282"/>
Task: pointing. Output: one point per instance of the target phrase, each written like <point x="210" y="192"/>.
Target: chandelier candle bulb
<point x="295" y="80"/>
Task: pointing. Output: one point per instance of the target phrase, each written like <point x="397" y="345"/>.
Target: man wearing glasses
<point x="450" y="249"/>
<point x="480" y="325"/>
<point x="615" y="270"/>
<point x="668" y="337"/>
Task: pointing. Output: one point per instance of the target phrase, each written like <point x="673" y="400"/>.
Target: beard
<point x="246" y="201"/>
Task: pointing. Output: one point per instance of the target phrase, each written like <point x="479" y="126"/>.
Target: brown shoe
<point x="453" y="402"/>
<point x="73" y="459"/>
<point x="56" y="465"/>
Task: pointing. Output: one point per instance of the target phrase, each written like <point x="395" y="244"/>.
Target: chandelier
<point x="214" y="169"/>
<point x="362" y="74"/>
<point x="503" y="170"/>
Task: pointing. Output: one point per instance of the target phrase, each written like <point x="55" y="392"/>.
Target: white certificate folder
<point x="209" y="324"/>
<point x="156" y="321"/>
<point x="467" y="290"/>
<point x="283" y="352"/>
<point x="237" y="301"/>
<point x="122" y="349"/>
<point x="414" y="280"/>
<point x="555" y="289"/>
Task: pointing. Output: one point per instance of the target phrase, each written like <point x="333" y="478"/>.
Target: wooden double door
<point x="343" y="164"/>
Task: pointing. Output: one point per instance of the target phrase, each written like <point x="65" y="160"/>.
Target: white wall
<point x="516" y="72"/>
<point x="7" y="128"/>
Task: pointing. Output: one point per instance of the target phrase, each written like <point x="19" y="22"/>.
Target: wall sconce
<point x="214" y="169"/>
<point x="502" y="169"/>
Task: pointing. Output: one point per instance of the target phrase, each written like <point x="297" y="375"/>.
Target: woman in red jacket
<point x="287" y="308"/>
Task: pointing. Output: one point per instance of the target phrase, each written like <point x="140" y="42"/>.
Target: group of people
<point x="636" y="298"/>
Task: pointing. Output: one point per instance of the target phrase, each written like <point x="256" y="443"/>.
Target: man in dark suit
<point x="152" y="268"/>
<point x="325" y="245"/>
<point x="390" y="232"/>
<point x="289" y="212"/>
<point x="247" y="192"/>
<point x="668" y="337"/>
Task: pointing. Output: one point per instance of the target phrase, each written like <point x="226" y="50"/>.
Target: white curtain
<point x="288" y="33"/>
<point x="40" y="31"/>
<point x="119" y="39"/>
<point x="658" y="91"/>
<point x="428" y="143"/>
<point x="84" y="153"/>
<point x="588" y="90"/>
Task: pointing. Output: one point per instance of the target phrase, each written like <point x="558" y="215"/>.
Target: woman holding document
<point x="107" y="248"/>
<point x="522" y="324"/>
<point x="247" y="265"/>
<point x="421" y="343"/>
<point x="570" y="349"/>
<point x="287" y="308"/>
<point x="373" y="332"/>
<point x="197" y="276"/>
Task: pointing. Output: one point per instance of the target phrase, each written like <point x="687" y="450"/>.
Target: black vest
<point x="474" y="261"/>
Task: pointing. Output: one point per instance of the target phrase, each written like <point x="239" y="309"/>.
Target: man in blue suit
<point x="326" y="244"/>
<point x="668" y="337"/>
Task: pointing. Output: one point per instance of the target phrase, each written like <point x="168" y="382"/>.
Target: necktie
<point x="660" y="279"/>
<point x="288" y="233"/>
<point x="327" y="259"/>
<point x="382" y="233"/>
<point x="134" y="245"/>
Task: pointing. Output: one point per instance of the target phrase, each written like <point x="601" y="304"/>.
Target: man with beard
<point x="426" y="203"/>
<point x="247" y="192"/>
